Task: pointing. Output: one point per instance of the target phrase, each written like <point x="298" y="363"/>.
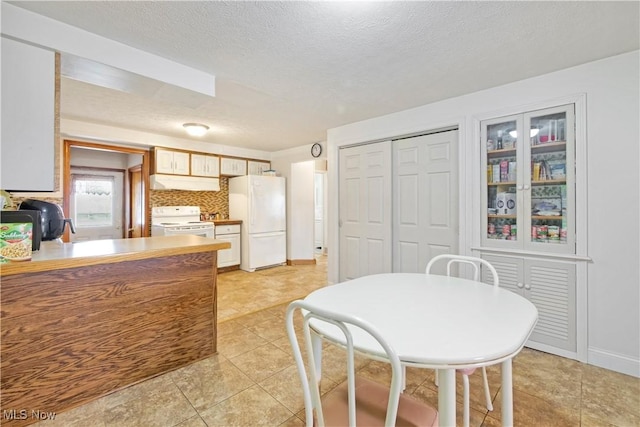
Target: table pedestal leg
<point x="507" y="393"/>
<point x="447" y="397"/>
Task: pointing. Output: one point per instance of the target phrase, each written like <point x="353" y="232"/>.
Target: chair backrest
<point x="310" y="384"/>
<point x="468" y="260"/>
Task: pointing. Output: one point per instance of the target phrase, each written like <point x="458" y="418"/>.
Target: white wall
<point x="98" y="158"/>
<point x="301" y="202"/>
<point x="612" y="89"/>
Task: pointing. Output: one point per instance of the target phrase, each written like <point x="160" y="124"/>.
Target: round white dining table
<point x="432" y="321"/>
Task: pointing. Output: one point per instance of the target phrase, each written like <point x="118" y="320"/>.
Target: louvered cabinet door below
<point x="551" y="287"/>
<point x="510" y="272"/>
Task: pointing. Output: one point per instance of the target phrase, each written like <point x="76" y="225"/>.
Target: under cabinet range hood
<point x="188" y="183"/>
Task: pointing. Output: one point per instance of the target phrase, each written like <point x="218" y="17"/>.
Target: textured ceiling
<point x="288" y="71"/>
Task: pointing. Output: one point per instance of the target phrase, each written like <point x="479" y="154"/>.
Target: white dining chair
<point x="357" y="401"/>
<point x="475" y="263"/>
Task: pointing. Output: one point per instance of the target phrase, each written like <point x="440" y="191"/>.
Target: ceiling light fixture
<point x="195" y="129"/>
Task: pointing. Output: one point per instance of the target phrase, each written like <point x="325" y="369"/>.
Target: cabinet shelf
<point x="503" y="152"/>
<point x="549" y="182"/>
<point x="533" y="217"/>
<point x="549" y="147"/>
<point x="497" y="184"/>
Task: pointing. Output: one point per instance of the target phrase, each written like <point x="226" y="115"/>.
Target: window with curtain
<point x="93" y="200"/>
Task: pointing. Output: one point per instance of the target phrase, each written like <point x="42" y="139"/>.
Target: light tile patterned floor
<point x="253" y="381"/>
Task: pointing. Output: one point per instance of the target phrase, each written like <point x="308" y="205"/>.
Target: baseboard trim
<point x="301" y="261"/>
<point x="614" y="362"/>
<point x="229" y="268"/>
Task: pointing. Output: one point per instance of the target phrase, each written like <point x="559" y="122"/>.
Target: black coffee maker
<point x="52" y="218"/>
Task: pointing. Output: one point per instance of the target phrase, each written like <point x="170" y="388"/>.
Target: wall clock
<point x="316" y="150"/>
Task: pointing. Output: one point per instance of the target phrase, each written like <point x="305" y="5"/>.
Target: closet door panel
<point x="365" y="210"/>
<point x="425" y="188"/>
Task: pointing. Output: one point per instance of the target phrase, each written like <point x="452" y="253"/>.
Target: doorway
<point x="96" y="204"/>
<point x="320" y="213"/>
<point x="134" y="212"/>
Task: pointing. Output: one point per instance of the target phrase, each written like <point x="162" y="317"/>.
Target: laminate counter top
<point x="227" y="221"/>
<point x="55" y="255"/>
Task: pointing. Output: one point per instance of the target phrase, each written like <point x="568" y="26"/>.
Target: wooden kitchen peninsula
<point x="82" y="320"/>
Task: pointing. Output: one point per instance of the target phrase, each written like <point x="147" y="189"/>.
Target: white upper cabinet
<point x="205" y="165"/>
<point x="233" y="167"/>
<point x="171" y="162"/>
<point x="256" y="167"/>
<point x="28" y="117"/>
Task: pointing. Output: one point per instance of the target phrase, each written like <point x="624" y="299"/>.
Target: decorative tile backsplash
<point x="209" y="201"/>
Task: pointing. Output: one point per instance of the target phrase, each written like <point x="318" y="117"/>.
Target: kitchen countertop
<point x="226" y="221"/>
<point x="56" y="255"/>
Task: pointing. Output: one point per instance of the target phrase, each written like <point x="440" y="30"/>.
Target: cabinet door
<point x="528" y="193"/>
<point x="501" y="150"/>
<point x="256" y="168"/>
<point x="171" y="162"/>
<point x="240" y="167"/>
<point x="235" y="249"/>
<point x="28" y="117"/>
<point x="213" y="166"/>
<point x="198" y="165"/>
<point x="549" y="196"/>
<point x="233" y="167"/>
<point x="551" y="287"/>
<point x="181" y="163"/>
<point x="164" y="161"/>
<point x="510" y="272"/>
<point x="204" y="165"/>
<point x="225" y="256"/>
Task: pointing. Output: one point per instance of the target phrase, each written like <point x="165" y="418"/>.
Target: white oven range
<point x="174" y="220"/>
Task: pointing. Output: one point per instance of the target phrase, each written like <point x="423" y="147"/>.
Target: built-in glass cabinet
<point x="528" y="193"/>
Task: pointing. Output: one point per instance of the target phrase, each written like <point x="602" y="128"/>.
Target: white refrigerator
<point x="260" y="202"/>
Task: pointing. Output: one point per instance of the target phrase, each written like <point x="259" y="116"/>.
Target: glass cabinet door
<point x="528" y="193"/>
<point x="502" y="176"/>
<point x="549" y="187"/>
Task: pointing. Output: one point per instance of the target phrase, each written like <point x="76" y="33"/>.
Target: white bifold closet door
<point x="365" y="210"/>
<point x="425" y="200"/>
<point x="398" y="204"/>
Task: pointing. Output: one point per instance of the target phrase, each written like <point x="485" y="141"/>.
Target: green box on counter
<point x="15" y="241"/>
